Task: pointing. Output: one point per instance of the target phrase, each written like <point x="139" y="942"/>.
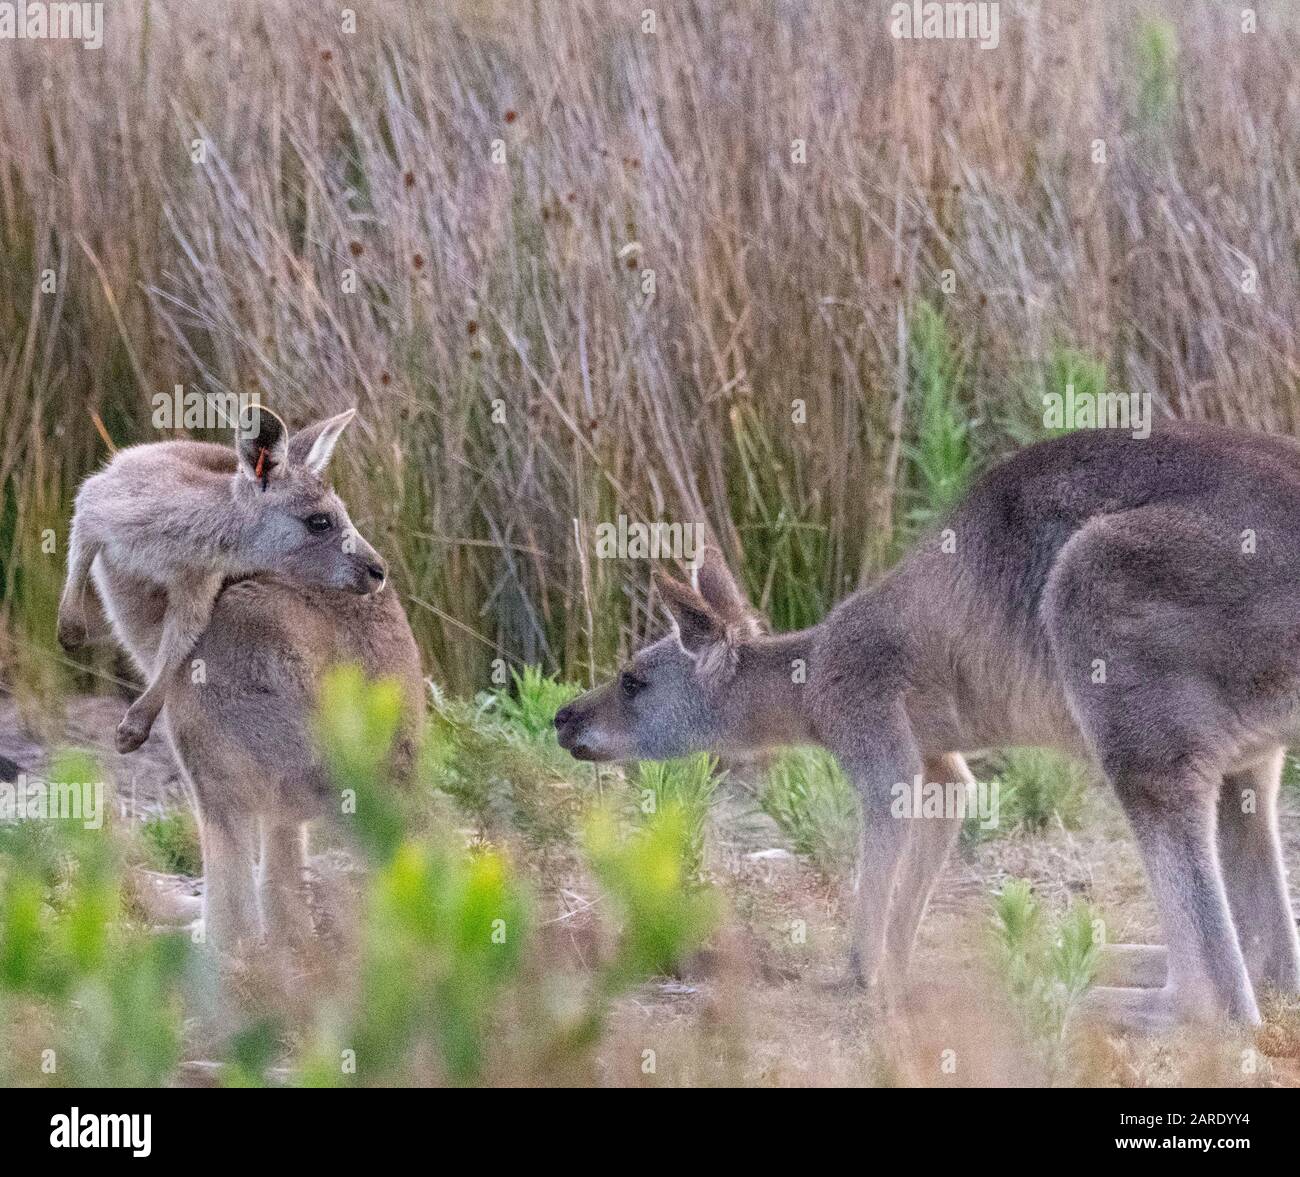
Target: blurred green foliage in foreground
<point x="450" y="984"/>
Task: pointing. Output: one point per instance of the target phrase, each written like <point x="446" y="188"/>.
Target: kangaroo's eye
<point x="629" y="683"/>
<point x="318" y="523"/>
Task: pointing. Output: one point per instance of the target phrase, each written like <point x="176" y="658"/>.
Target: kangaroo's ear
<point x="698" y="627"/>
<point x="313" y="446"/>
<point x="714" y="582"/>
<point x="261" y="444"/>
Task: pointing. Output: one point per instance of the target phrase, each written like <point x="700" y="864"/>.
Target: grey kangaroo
<point x="1134" y="602"/>
<point x="242" y="736"/>
<point x="186" y="516"/>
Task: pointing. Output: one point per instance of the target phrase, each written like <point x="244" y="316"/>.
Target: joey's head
<point x="291" y="522"/>
<point x="681" y="694"/>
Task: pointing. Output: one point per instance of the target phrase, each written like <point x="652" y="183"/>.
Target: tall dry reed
<point x="452" y="216"/>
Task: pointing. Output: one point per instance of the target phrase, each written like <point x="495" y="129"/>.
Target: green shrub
<point x="1036" y="789"/>
<point x="100" y="998"/>
<point x="688" y="785"/>
<point x="449" y="931"/>
<point x="662" y="918"/>
<point x="1291" y="773"/>
<point x="172" y="840"/>
<point x="1154" y="85"/>
<point x="504" y="777"/>
<point x="1046" y="965"/>
<point x="941" y="459"/>
<point x="815" y="806"/>
<point x="536" y="699"/>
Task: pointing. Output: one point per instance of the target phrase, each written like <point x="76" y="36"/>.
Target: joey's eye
<point x="629" y="684"/>
<point x="318" y="523"/>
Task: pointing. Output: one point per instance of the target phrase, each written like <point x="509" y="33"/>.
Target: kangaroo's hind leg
<point x="231" y="917"/>
<point x="285" y="903"/>
<point x="1133" y="608"/>
<point x="1253" y="871"/>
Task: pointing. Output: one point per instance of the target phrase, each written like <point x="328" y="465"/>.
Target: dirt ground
<point x="763" y="1007"/>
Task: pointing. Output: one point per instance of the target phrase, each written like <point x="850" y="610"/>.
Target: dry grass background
<point x="522" y="281"/>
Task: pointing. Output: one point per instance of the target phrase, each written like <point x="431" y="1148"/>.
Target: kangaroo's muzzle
<point x="569" y="724"/>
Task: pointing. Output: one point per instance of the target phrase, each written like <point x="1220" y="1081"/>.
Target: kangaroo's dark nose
<point x="562" y="716"/>
<point x="377" y="571"/>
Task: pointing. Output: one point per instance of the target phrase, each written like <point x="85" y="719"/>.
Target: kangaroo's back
<point x="960" y="625"/>
<point x="1011" y="529"/>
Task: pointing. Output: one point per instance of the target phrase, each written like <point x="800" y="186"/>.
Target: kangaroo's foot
<point x="1254" y="875"/>
<point x="1138" y="1011"/>
<point x="135" y="727"/>
<point x="73" y="630"/>
<point x="1140" y="966"/>
<point x="846" y="983"/>
<point x="881" y="995"/>
<point x="1149" y="1011"/>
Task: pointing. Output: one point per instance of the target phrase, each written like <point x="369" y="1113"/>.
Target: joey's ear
<point x="311" y="447"/>
<point x="261" y="444"/>
<point x="698" y="627"/>
<point x="714" y="582"/>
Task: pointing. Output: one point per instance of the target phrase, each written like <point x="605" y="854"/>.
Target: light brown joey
<point x="188" y="516"/>
<point x="1132" y="602"/>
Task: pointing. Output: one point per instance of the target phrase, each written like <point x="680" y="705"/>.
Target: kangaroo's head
<point x="290" y="522"/>
<point x="715" y="683"/>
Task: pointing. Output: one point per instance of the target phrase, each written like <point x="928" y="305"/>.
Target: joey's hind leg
<point x="72" y="623"/>
<point x="189" y="609"/>
<point x="285" y="903"/>
<point x="1251" y="856"/>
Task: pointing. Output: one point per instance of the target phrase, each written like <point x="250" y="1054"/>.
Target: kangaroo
<point x="1135" y="602"/>
<point x="188" y="515"/>
<point x="242" y="737"/>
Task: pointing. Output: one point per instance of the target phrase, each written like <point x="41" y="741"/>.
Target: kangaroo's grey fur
<point x="242" y="734"/>
<point x="243" y="737"/>
<point x="187" y="516"/>
<point x="1133" y="601"/>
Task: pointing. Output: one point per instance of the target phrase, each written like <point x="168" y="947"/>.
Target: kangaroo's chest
<point x="973" y="703"/>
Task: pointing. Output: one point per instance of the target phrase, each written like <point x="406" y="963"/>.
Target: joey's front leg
<point x="188" y="612"/>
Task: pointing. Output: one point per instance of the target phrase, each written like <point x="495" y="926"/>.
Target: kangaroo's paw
<point x="852" y="980"/>
<point x="73" y="631"/>
<point x="133" y="731"/>
<point x="290" y="929"/>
